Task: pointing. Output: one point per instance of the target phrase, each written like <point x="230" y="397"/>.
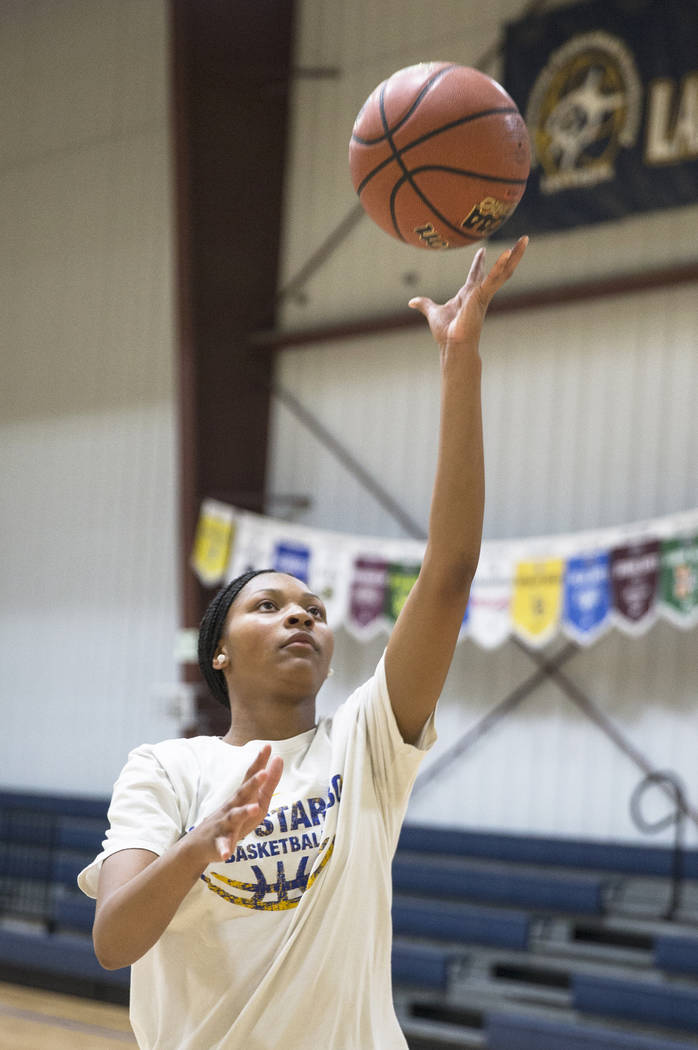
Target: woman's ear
<point x="220" y="661"/>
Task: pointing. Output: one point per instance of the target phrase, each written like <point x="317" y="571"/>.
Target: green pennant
<point x="678" y="576"/>
<point x="401" y="580"/>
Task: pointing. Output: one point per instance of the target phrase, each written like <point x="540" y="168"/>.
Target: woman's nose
<point x="299" y="615"/>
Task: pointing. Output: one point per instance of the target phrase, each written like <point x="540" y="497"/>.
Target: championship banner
<point x="489" y="609"/>
<point x="580" y="584"/>
<point x="678" y="580"/>
<point x="609" y="93"/>
<point x="292" y="558"/>
<point x="213" y="542"/>
<point x="535" y="607"/>
<point x="634" y="576"/>
<point x="400" y="581"/>
<point x="367" y="596"/>
<point x="587" y="599"/>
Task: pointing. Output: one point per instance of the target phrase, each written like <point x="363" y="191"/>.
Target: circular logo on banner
<point x="584" y="107"/>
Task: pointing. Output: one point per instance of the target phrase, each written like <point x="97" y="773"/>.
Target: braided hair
<point x="210" y="631"/>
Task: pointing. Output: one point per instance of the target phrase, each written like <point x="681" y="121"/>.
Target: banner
<point x="609" y="92"/>
<point x="678" y="583"/>
<point x="580" y="585"/>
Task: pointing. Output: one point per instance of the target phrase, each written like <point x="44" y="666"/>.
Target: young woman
<point x="247" y="879"/>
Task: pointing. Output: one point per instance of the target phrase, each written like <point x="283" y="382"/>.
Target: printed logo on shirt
<point x="293" y="833"/>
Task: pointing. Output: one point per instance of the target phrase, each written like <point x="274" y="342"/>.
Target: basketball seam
<point x="407" y="176"/>
<point x="397" y="154"/>
<point x="442" y="218"/>
<point x="410" y="111"/>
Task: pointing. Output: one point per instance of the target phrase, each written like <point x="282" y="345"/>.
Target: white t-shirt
<point x="287" y="944"/>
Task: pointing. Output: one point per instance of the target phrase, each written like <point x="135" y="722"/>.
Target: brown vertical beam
<point x="231" y="68"/>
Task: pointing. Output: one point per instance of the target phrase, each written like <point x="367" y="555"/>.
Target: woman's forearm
<point x="458" y="499"/>
<point x="131" y="918"/>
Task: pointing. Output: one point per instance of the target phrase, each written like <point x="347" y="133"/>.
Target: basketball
<point x="439" y="155"/>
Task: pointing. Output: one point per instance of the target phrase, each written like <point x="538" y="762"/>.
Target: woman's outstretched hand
<point x="220" y="833"/>
<point x="460" y="319"/>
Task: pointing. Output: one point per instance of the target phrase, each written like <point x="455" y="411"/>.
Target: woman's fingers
<point x="259" y="762"/>
<point x="505" y="266"/>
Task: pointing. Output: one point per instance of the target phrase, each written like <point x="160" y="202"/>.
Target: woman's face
<point x="276" y="632"/>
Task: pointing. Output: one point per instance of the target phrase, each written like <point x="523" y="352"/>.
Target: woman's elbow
<point x="110" y="955"/>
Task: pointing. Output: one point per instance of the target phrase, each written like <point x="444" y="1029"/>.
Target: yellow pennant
<point x="213" y="542"/>
<point x="537" y="599"/>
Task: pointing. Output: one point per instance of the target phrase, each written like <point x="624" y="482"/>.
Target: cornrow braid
<point x="210" y="631"/>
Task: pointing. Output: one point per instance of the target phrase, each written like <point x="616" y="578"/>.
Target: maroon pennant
<point x="367" y="595"/>
<point x="634" y="579"/>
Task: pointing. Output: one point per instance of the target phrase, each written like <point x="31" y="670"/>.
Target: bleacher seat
<point x="421" y="965"/>
<point x="636" y="1000"/>
<point x="453" y="921"/>
<point x="676" y="954"/>
<point x="65" y="954"/>
<point x="511" y="1031"/>
<point x="449" y="877"/>
<point x="546" y="850"/>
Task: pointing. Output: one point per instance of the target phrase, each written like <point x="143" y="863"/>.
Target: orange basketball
<point x="439" y="155"/>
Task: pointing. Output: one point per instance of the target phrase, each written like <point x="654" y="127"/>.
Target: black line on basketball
<point x="410" y="111"/>
<point x="407" y="175"/>
<point x="442" y="218"/>
<point x="429" y="135"/>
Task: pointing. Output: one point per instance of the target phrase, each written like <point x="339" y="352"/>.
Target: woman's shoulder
<point x="176" y="751"/>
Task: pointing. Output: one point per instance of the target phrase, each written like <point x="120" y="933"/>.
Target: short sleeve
<point x="144" y="813"/>
<point x="394" y="763"/>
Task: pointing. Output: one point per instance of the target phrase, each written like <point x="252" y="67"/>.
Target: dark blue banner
<point x="609" y="92"/>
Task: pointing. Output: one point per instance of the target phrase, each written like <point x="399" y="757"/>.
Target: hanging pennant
<point x="634" y="576"/>
<point x="367" y="591"/>
<point x="537" y="599"/>
<point x="213" y="542"/>
<point x="402" y="577"/>
<point x="488" y="621"/>
<point x="587" y="597"/>
<point x="532" y="587"/>
<point x="678" y="580"/>
<point x="293" y="558"/>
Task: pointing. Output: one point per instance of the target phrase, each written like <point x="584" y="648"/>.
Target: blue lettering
<point x="265" y="828"/>
<point x="295" y="843"/>
<point x="307" y="842"/>
<point x="337" y="785"/>
<point x="299" y="816"/>
<point x="282" y="817"/>
<point x="240" y="853"/>
<point x="274" y="849"/>
<point x="262" y="850"/>
<point x="317" y="809"/>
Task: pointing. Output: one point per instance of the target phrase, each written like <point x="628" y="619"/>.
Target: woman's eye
<point x="266" y="604"/>
<point x="317" y="612"/>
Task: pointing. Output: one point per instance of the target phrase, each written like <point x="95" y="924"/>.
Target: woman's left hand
<point x="460" y="319"/>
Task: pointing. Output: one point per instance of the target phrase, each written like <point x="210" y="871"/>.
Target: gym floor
<point x="32" y="1019"/>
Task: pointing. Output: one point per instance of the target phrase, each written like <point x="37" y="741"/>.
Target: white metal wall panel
<point x="589" y="422"/>
<point x="362" y="43"/>
<point x="87" y="432"/>
<point x="589" y="418"/>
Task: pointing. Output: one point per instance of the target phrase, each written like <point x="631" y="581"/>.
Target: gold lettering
<point x="671" y="134"/>
<point x="431" y="237"/>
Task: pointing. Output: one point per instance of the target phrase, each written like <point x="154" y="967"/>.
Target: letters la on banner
<point x="609" y="92"/>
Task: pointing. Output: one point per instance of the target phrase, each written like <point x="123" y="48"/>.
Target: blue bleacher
<point x="589" y="854"/>
<point x="511" y="1031"/>
<point x="458" y="896"/>
<point x="448" y="921"/>
<point x="421" y="965"/>
<point x="451" y="877"/>
<point x="636" y="1000"/>
<point x="676" y="954"/>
